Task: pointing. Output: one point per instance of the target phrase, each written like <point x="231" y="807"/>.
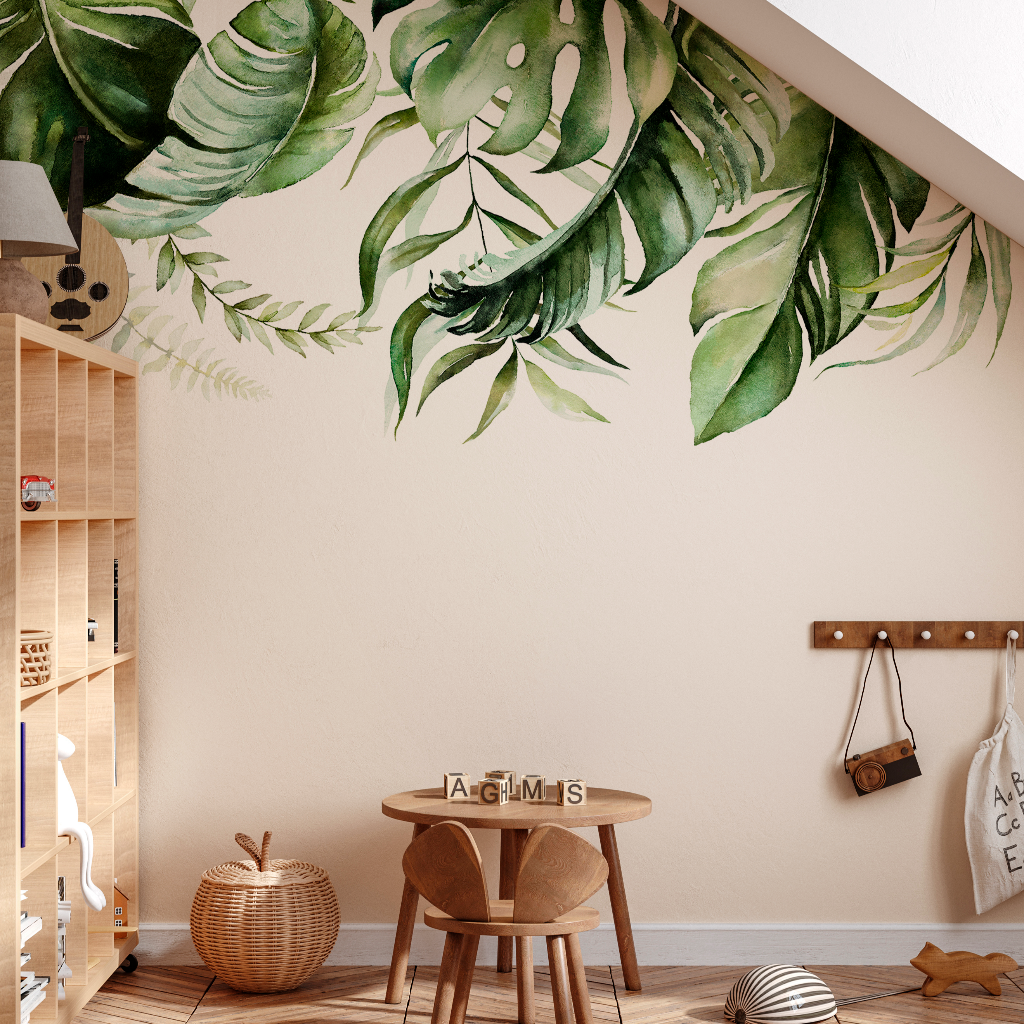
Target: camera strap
<point x="864" y="687"/>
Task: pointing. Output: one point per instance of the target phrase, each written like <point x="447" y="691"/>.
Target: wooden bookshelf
<point x="69" y="411"/>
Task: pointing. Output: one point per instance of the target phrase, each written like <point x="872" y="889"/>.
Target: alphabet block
<point x="493" y="791"/>
<point x="503" y="773"/>
<point x="534" y="789"/>
<point x="572" y="792"/>
<point x="456" y="786"/>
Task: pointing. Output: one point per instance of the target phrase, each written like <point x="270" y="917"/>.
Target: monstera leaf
<point x="111" y="67"/>
<point x="259" y="109"/>
<point x="808" y="268"/>
<point x="481" y="58"/>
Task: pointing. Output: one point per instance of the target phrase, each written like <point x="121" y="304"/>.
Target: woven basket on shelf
<point x="264" y="930"/>
<point x="35" y="656"/>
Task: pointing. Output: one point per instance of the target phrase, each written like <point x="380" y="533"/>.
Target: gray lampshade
<point x="31" y="220"/>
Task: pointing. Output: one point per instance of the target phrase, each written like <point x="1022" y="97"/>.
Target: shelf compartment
<point x="101" y="589"/>
<point x="101" y="922"/>
<point x="72" y="592"/>
<point x="39" y="413"/>
<point x="40" y="718"/>
<point x="69" y="864"/>
<point x="72" y="721"/>
<point x="99" y="971"/>
<point x="100" y="703"/>
<point x="72" y="435"/>
<point x="38" y="584"/>
<point x="125" y="549"/>
<point x="101" y="438"/>
<point x="126" y="721"/>
<point x="126" y="860"/>
<point x="125" y="443"/>
<point x="41" y="901"/>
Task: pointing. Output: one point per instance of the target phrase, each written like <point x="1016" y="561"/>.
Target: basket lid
<point x="242" y="874"/>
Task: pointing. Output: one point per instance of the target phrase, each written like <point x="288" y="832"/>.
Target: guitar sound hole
<point x="49" y="290"/>
<point x="98" y="292"/>
<point x="71" y="277"/>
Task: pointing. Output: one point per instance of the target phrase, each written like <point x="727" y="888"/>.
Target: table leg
<point x="620" y="910"/>
<point x="445" y="994"/>
<point x="507" y="891"/>
<point x="524" y="979"/>
<point x="403" y="935"/>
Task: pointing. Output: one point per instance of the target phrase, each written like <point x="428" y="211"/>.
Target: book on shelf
<point x="29" y="927"/>
<point x="115" y="606"/>
<point x="25" y="957"/>
<point x="30" y="1000"/>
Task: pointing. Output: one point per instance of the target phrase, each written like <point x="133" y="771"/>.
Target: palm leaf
<point x="773" y="281"/>
<point x="502" y="390"/>
<point x="257" y="110"/>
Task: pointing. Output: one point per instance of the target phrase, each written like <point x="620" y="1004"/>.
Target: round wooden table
<point x="604" y="808"/>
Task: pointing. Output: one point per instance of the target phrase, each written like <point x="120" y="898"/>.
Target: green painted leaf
<point x="406" y="253"/>
<point x="342" y="318"/>
<point x="191" y="231"/>
<point x="552" y="350"/>
<point x="253" y="301"/>
<point x="258" y="109"/>
<point x="324" y="340"/>
<point x="156" y="325"/>
<point x="557" y="400"/>
<point x="109" y="66"/>
<point x="901" y="309"/>
<point x="157" y="364"/>
<point x="174" y="338"/>
<point x="164" y="264"/>
<point x="291" y="339"/>
<point x="592" y="346"/>
<point x="312" y="315"/>
<point x="382" y="7"/>
<point x="1002" y="285"/>
<point x="459" y="81"/>
<point x="514" y="190"/>
<point x="744" y="224"/>
<point x="519" y="236"/>
<point x="138" y="314"/>
<point x="281" y="313"/>
<point x="198" y="259"/>
<point x="901" y="275"/>
<point x="268" y="313"/>
<point x="773" y="279"/>
<point x="947" y="215"/>
<point x="121" y="338"/>
<point x="261" y="333"/>
<point x="502" y="390"/>
<point x="454" y="362"/>
<point x="230" y="286"/>
<point x="388" y="125"/>
<point x="199" y="297"/>
<point x="916" y="340"/>
<point x="387" y="219"/>
<point x="234" y="323"/>
<point x="972" y="302"/>
<point x="402" y="337"/>
<point x="928" y="245"/>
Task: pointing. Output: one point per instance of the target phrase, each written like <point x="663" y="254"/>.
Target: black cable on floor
<point x="202" y="997"/>
<point x="615" y="992"/>
<point x="412" y="981"/>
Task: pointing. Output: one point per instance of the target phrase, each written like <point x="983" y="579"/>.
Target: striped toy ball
<point x="779" y="992"/>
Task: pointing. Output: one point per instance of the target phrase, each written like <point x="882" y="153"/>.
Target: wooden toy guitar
<point x="89" y="288"/>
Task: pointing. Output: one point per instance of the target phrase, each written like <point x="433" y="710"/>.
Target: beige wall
<point x="330" y="615"/>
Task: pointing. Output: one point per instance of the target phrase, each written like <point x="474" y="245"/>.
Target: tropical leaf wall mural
<point x="800" y="230"/>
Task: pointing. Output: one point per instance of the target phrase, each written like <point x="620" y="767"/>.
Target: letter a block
<point x="456" y="786"/>
<point x="534" y="789"/>
<point x="572" y="792"/>
<point x="493" y="791"/>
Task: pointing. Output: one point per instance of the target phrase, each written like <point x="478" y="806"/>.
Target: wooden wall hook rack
<point x="919" y="635"/>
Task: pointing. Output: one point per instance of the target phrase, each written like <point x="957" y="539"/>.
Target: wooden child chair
<point x="557" y="871"/>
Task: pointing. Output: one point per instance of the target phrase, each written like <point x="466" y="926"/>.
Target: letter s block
<point x="493" y="791"/>
<point x="534" y="789"/>
<point x="572" y="792"/>
<point x="456" y="786"/>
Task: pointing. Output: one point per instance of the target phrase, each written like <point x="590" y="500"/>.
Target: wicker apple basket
<point x="264" y="925"/>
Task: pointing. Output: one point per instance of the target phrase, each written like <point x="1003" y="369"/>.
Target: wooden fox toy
<point x="945" y="969"/>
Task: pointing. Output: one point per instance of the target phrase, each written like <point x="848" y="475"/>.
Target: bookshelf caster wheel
<point x="130" y="964"/>
<point x="30" y="506"/>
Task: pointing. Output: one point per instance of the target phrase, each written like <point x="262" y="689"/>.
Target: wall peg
<point x="969" y="634"/>
<point x="1013" y="634"/>
<point x="838" y="634"/>
<point x="926" y="634"/>
<point x="882" y="635"/>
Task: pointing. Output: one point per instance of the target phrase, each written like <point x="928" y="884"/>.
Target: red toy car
<point x="35" y="490"/>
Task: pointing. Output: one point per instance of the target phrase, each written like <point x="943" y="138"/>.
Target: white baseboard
<point x="661" y="944"/>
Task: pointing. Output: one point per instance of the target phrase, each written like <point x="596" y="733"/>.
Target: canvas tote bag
<point x="994" y="817"/>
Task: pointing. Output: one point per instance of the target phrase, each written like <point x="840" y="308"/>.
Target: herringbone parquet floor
<point x="680" y="995"/>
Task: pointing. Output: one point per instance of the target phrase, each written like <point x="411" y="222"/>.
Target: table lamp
<point x="31" y="224"/>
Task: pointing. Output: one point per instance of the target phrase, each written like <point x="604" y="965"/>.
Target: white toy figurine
<point x="69" y="825"/>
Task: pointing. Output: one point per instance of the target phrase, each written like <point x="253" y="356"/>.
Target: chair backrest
<point x="558" y="870"/>
<point x="444" y="866"/>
